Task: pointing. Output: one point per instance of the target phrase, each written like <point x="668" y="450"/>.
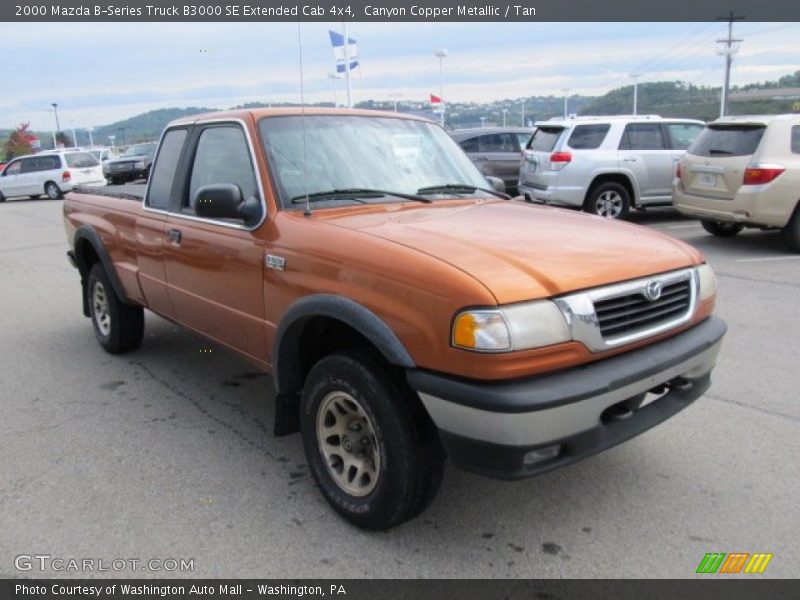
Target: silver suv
<point x="605" y="165"/>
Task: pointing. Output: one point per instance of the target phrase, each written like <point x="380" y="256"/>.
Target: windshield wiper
<point x="462" y="188"/>
<point x="355" y="194"/>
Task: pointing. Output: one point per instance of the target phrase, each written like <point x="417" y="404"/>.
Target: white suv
<point x="49" y="173"/>
<point x="605" y="165"/>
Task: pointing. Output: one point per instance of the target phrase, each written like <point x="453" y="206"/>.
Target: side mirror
<point x="497" y="184"/>
<point x="218" y="201"/>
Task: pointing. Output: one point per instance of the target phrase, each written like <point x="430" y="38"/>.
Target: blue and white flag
<point x="337" y="41"/>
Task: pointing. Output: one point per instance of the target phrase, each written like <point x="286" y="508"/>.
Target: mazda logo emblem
<point x="652" y="291"/>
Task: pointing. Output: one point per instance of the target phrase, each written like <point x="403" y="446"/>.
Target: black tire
<point x="118" y="327"/>
<point x="2" y="197"/>
<point x="115" y="181"/>
<point x="410" y="459"/>
<point x="610" y="200"/>
<point x="720" y="229"/>
<point x="52" y="190"/>
<point x="791" y="233"/>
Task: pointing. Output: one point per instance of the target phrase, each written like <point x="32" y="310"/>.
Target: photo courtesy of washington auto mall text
<point x="391" y="299"/>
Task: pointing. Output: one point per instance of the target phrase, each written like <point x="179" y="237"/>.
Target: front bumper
<point x="517" y="429"/>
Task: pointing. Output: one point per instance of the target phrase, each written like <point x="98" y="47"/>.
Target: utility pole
<point x="635" y="77"/>
<point x="731" y="47"/>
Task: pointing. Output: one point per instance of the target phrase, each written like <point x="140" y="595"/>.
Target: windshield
<point x="80" y="160"/>
<point x="140" y="149"/>
<point x="346" y="152"/>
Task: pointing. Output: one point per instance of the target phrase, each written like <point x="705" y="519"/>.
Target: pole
<point x="91" y="141"/>
<point x="333" y="77"/>
<point x="55" y="112"/>
<point x="523" y="112"/>
<point x="566" y="95"/>
<point x="635" y="77"/>
<point x="347" y="66"/>
<point x="74" y="136"/>
<point x="441" y="54"/>
<point x="505" y="110"/>
<point x="728" y="51"/>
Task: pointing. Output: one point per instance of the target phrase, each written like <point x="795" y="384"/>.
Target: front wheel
<point x="119" y="327"/>
<point x="610" y="200"/>
<point x="52" y="190"/>
<point x="720" y="229"/>
<point x="371" y="448"/>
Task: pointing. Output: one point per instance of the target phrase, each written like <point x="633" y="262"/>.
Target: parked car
<point x="405" y="311"/>
<point x="132" y="164"/>
<point x="605" y="165"/>
<point x="50" y="174"/>
<point x="743" y="172"/>
<point x="495" y="151"/>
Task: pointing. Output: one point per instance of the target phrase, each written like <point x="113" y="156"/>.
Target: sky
<point x="99" y="73"/>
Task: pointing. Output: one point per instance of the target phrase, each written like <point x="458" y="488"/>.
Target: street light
<point x="91" y="141"/>
<point x="441" y="54"/>
<point x="55" y="112"/>
<point x="74" y="136"/>
<point x="395" y="97"/>
<point x="566" y="95"/>
<point x="333" y="77"/>
<point x="505" y="110"/>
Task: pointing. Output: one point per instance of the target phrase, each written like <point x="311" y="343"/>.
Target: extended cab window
<point x="588" y="137"/>
<point x="643" y="136"/>
<point x="163" y="175"/>
<point x="222" y="156"/>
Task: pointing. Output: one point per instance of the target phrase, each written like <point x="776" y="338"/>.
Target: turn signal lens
<point x="481" y="330"/>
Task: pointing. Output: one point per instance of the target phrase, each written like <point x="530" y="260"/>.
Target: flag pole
<point x="347" y="65"/>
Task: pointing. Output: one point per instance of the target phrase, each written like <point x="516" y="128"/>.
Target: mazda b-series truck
<point x="407" y="311"/>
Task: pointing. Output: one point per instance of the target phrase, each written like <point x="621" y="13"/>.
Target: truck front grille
<point x="632" y="313"/>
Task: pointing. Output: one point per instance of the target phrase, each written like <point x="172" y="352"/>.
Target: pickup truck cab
<point x="406" y="311"/>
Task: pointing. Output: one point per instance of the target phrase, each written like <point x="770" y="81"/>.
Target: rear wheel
<point x="52" y="190"/>
<point x="2" y="197"/>
<point x="720" y="229"/>
<point x="371" y="448"/>
<point x="119" y="327"/>
<point x="610" y="200"/>
<point x="791" y="233"/>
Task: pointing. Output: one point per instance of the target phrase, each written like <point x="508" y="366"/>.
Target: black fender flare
<point x="286" y="347"/>
<point x="86" y="234"/>
<point x="349" y="312"/>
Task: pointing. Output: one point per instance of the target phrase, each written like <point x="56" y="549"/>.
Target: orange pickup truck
<point x="407" y="311"/>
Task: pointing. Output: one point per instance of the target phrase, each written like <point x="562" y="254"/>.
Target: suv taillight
<point x="559" y="160"/>
<point x="759" y="174"/>
<point x="66" y="176"/>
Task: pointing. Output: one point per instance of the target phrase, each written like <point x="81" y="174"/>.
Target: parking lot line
<point x="768" y="258"/>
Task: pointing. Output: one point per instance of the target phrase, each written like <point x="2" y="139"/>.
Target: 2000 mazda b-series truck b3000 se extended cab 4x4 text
<point x="406" y="310"/>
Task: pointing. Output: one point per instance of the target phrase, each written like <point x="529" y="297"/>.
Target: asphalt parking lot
<point x="167" y="452"/>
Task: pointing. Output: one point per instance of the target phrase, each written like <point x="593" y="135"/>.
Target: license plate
<point x="708" y="180"/>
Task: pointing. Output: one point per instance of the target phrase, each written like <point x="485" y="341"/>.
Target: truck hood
<point x="520" y="251"/>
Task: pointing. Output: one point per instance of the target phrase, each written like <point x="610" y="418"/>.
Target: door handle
<point x="174" y="236"/>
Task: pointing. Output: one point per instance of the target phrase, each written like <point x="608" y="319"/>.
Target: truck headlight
<point x="516" y="327"/>
<point x="707" y="280"/>
<point x="138" y="165"/>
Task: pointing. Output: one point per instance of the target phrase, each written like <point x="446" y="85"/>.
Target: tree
<point x="63" y="139"/>
<point x="19" y="142"/>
